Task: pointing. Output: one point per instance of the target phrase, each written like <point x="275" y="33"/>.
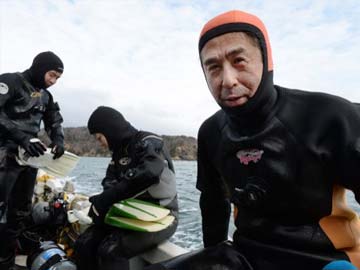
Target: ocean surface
<point x="90" y="172"/>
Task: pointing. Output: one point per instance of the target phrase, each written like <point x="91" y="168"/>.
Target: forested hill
<point x="80" y="142"/>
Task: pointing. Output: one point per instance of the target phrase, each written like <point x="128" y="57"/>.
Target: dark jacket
<point x="22" y="107"/>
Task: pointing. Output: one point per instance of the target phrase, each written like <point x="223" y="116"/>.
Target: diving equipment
<point x="49" y="256"/>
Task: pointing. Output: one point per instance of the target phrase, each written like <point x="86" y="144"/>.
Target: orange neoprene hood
<point x="238" y="21"/>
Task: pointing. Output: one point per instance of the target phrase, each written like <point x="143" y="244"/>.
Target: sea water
<point x="90" y="172"/>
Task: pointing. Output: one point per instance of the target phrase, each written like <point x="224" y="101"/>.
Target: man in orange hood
<point x="283" y="157"/>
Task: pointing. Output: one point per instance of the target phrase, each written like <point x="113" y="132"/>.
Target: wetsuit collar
<point x="28" y="76"/>
<point x="258" y="109"/>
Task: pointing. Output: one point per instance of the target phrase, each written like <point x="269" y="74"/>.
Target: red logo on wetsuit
<point x="248" y="155"/>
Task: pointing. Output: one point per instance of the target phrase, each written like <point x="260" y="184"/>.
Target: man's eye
<point x="213" y="67"/>
<point x="238" y="60"/>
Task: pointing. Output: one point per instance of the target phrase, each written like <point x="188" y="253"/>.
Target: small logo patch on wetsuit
<point x="35" y="94"/>
<point x="4" y="89"/>
<point x="124" y="161"/>
<point x="248" y="155"/>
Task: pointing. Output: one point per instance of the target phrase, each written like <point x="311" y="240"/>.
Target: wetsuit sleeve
<point x="7" y="93"/>
<point x="110" y="178"/>
<point x="347" y="153"/>
<point x="52" y="121"/>
<point x="214" y="204"/>
<point x="150" y="164"/>
<point x="329" y="127"/>
<point x="333" y="136"/>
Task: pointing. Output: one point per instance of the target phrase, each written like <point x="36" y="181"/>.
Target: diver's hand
<point x="97" y="212"/>
<point x="57" y="149"/>
<point x="33" y="147"/>
<point x="250" y="196"/>
<point x="95" y="215"/>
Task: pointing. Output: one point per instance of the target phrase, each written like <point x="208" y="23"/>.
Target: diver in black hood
<point x="24" y="103"/>
<point x="111" y="124"/>
<point x="140" y="167"/>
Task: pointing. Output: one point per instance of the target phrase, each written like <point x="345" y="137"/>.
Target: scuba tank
<point x="46" y="219"/>
<point x="53" y="211"/>
<point x="49" y="256"/>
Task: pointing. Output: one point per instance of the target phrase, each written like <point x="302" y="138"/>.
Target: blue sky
<point x="141" y="56"/>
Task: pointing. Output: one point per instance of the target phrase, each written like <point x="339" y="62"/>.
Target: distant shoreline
<point x="80" y="142"/>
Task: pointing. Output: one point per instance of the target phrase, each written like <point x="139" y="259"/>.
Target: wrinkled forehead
<point x="230" y="43"/>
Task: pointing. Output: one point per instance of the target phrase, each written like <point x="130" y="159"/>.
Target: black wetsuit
<point x="141" y="168"/>
<point x="289" y="171"/>
<point x="286" y="178"/>
<point x="22" y="108"/>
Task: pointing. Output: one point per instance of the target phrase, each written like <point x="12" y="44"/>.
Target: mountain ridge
<point x="80" y="142"/>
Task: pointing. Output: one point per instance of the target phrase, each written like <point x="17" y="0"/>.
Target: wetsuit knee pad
<point x="111" y="253"/>
<point x="82" y="242"/>
<point x="112" y="247"/>
<point x="85" y="250"/>
<point x="87" y="243"/>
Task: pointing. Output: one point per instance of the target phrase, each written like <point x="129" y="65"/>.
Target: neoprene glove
<point x="57" y="149"/>
<point x="97" y="212"/>
<point x="252" y="196"/>
<point x="33" y="146"/>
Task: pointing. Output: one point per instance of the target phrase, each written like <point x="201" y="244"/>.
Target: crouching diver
<point x="140" y="167"/>
<point x="284" y="157"/>
<point x="24" y="103"/>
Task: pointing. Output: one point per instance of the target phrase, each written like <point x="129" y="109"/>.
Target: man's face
<point x="51" y="77"/>
<point x="233" y="68"/>
<point x="102" y="140"/>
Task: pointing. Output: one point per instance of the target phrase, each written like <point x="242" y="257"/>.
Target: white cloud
<point x="141" y="56"/>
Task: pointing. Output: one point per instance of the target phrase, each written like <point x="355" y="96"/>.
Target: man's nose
<point x="53" y="80"/>
<point x="229" y="77"/>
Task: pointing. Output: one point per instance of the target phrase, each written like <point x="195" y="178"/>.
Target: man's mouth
<point x="233" y="100"/>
